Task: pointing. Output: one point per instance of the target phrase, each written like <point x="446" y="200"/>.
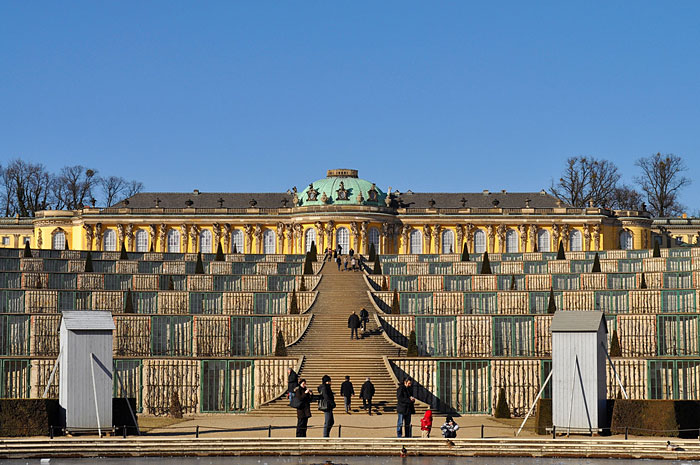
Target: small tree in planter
<point x="385" y="285"/>
<point x="596" y="264"/>
<point x="395" y="305"/>
<point x="513" y="284"/>
<point x="280" y="347"/>
<point x="235" y="250"/>
<point x="199" y="266"/>
<point x="220" y="254"/>
<point x="552" y="304"/>
<point x="377" y="266"/>
<point x="302" y="284"/>
<point x="560" y="253"/>
<point x="294" y="304"/>
<point x="656" y="253"/>
<point x="171" y="283"/>
<point x="128" y="302"/>
<point x="412" y="349"/>
<point x="615" y="349"/>
<point x="465" y="253"/>
<point x="485" y="265"/>
<point x="372" y="252"/>
<point x="175" y="405"/>
<point x="502" y="409"/>
<point x="27" y="250"/>
<point x="313" y="251"/>
<point x="308" y="264"/>
<point x="643" y="284"/>
<point x="123" y="255"/>
<point x="88" y="263"/>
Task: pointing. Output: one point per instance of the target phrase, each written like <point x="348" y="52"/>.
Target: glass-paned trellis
<point x="539" y="301"/>
<point x="206" y="303"/>
<point x="228" y="283"/>
<point x="176" y="282"/>
<point x="678" y="264"/>
<point x="271" y="303"/>
<point x="243" y="268"/>
<point x="11" y="301"/>
<point x="145" y="302"/>
<point x="612" y="301"/>
<point x="171" y="336"/>
<point x="535" y="267"/>
<point x="63" y="281"/>
<point x="416" y="303"/>
<point x="281" y="283"/>
<point x="14" y="335"/>
<point x="545" y="369"/>
<point x="678" y="301"/>
<point x="251" y="335"/>
<point x="513" y="336"/>
<point x="464" y="386"/>
<point x="436" y="335"/>
<point x="74" y="300"/>
<point x="227" y="385"/>
<point x="565" y="281"/>
<point x="581" y="266"/>
<point x="622" y="281"/>
<point x="117" y="282"/>
<point x="149" y="267"/>
<point x="15" y="376"/>
<point x="677" y="335"/>
<point x="128" y="380"/>
<point x="458" y="283"/>
<point x="441" y="268"/>
<point x="679" y="280"/>
<point x="513" y="282"/>
<point x="10" y="280"/>
<point x="630" y="266"/>
<point x="674" y="379"/>
<point x="480" y="302"/>
<point x="403" y="283"/>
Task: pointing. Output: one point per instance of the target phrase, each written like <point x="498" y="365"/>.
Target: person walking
<point x="345" y="263"/>
<point x="404" y="407"/>
<point x="338" y="261"/>
<point x="353" y="264"/>
<point x="326" y="404"/>
<point x="366" y="394"/>
<point x="354" y="325"/>
<point x="364" y="318"/>
<point x="352" y="252"/>
<point x="292" y="382"/>
<point x="426" y="424"/>
<point x="347" y="391"/>
<point x="303" y="397"/>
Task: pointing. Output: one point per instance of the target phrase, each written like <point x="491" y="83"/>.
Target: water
<point x="321" y="460"/>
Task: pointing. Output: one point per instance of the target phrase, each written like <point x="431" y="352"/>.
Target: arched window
<point x="205" y="241"/>
<point x="173" y="241"/>
<point x="141" y="241"/>
<point x="575" y="241"/>
<point x="511" y="241"/>
<point x="448" y="241"/>
<point x="373" y="237"/>
<point x="625" y="240"/>
<point x="237" y="241"/>
<point x="109" y="243"/>
<point x="59" y="241"/>
<point x="342" y="239"/>
<point x="479" y="241"/>
<point x="416" y="242"/>
<point x="269" y="241"/>
<point x="310" y="238"/>
<point x="543" y="240"/>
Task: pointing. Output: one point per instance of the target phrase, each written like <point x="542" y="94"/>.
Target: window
<point x="674" y="379"/>
<point x="374" y="239"/>
<point x="625" y="240"/>
<point x="511" y="241"/>
<point x="227" y="385"/>
<point x="171" y="336"/>
<point x="543" y="240"/>
<point x="251" y="335"/>
<point x="173" y="241"/>
<point x="575" y="242"/>
<point x="5" y="240"/>
<point x="513" y="336"/>
<point x="342" y="239"/>
<point x="479" y="241"/>
<point x="128" y="380"/>
<point x="237" y="241"/>
<point x="677" y="335"/>
<point x="141" y="241"/>
<point x="416" y="242"/>
<point x="309" y="238"/>
<point x="269" y="241"/>
<point x="448" y="241"/>
<point x="109" y="242"/>
<point x="205" y="241"/>
<point x="26" y="240"/>
<point x="465" y="385"/>
<point x="59" y="241"/>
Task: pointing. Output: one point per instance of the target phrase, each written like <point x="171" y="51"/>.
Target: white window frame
<point x="626" y="240"/>
<point x="512" y="241"/>
<point x="5" y="240"/>
<point x="238" y="239"/>
<point x="479" y="241"/>
<point x="109" y="241"/>
<point x="309" y="237"/>
<point x="342" y="239"/>
<point x="544" y="243"/>
<point x="141" y="239"/>
<point x="58" y="241"/>
<point x="269" y="239"/>
<point x="173" y="241"/>
<point x="415" y="241"/>
<point x="205" y="241"/>
<point x="575" y="241"/>
<point x="373" y="238"/>
<point x="448" y="241"/>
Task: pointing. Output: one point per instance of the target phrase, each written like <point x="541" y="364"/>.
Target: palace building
<point x="340" y="210"/>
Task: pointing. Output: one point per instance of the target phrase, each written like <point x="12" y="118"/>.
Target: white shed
<point x="579" y="377"/>
<point x="85" y="380"/>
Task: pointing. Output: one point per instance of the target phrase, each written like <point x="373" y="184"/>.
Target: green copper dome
<point x="341" y="187"/>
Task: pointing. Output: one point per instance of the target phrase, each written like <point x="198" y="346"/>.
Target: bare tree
<point x="587" y="180"/>
<point x="661" y="180"/>
<point x="627" y="198"/>
<point x="26" y="188"/>
<point x="73" y="186"/>
<point x="134" y="188"/>
<point x="112" y="187"/>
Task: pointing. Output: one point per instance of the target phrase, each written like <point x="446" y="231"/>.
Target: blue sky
<point x="429" y="96"/>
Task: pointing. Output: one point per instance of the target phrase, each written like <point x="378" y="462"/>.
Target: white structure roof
<point x="577" y="322"/>
<point x="86" y="320"/>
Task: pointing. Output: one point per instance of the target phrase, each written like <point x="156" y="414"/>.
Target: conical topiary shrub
<point x="465" y="253"/>
<point x="235" y="250"/>
<point x="656" y="253"/>
<point x="513" y="284"/>
<point x="560" y="253"/>
<point x="175" y="410"/>
<point x="199" y="266"/>
<point x="294" y="304"/>
<point x="88" y="263"/>
<point x="596" y="264"/>
<point x="314" y="253"/>
<point x="643" y="284"/>
<point x="385" y="285"/>
<point x="485" y="265"/>
<point x="552" y="304"/>
<point x="27" y="250"/>
<point x="151" y="249"/>
<point x="395" y="305"/>
<point x="412" y="349"/>
<point x="615" y="349"/>
<point x="302" y="284"/>
<point x="502" y="409"/>
<point x="377" y="266"/>
<point x="123" y="255"/>
<point x="171" y="283"/>
<point x="220" y="257"/>
<point x="280" y="347"/>
<point x="128" y="302"/>
<point x="372" y="252"/>
<point x="308" y="264"/>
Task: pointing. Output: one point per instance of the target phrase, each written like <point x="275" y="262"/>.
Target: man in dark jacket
<point x="354" y="325"/>
<point x="404" y="407"/>
<point x="328" y="398"/>
<point x="292" y="382"/>
<point x="366" y="394"/>
<point x="364" y="318"/>
<point x="347" y="391"/>
<point x="305" y="396"/>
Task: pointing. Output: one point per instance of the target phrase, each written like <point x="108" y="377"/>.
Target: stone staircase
<point x="328" y="349"/>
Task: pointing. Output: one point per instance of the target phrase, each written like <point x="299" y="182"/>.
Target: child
<point x="449" y="428"/>
<point x="426" y="424"/>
